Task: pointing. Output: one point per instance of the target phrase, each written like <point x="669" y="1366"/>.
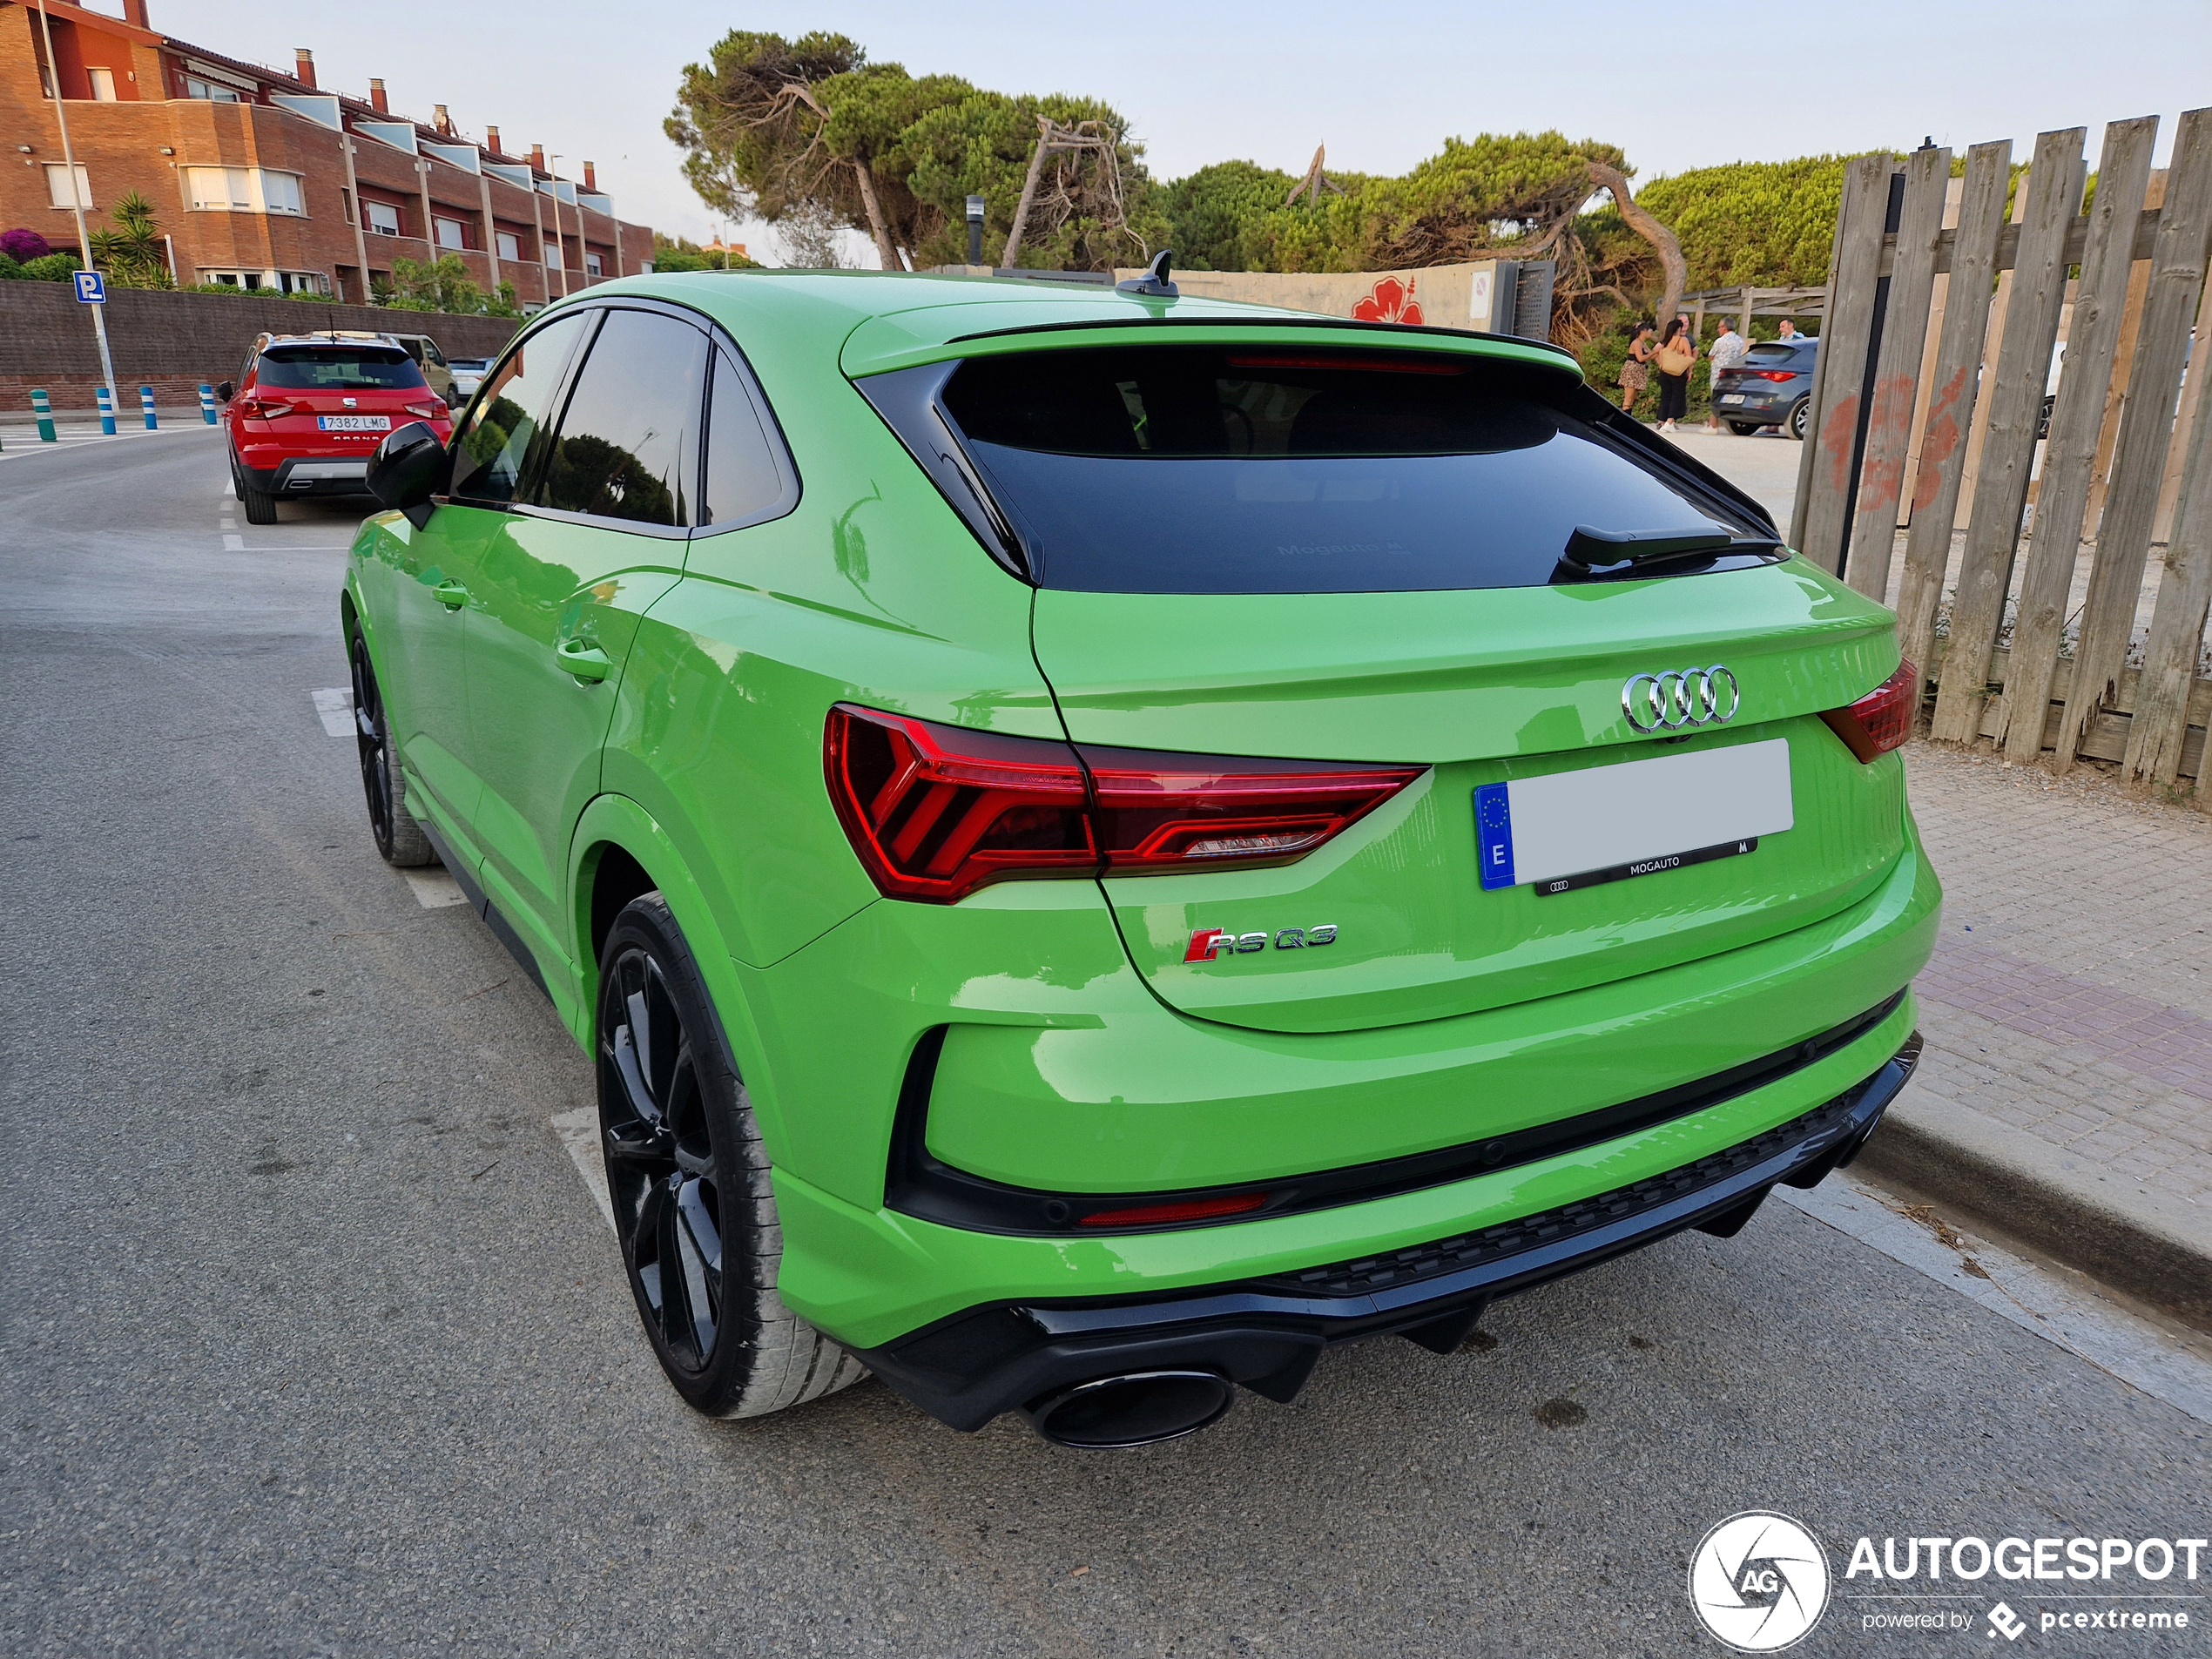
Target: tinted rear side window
<point x="626" y="441"/>
<point x="1215" y="469"/>
<point x="311" y="368"/>
<point x="508" y="421"/>
<point x="742" y="481"/>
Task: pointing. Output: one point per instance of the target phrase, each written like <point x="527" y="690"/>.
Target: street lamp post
<point x="76" y="196"/>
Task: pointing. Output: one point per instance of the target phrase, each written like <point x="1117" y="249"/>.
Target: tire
<point x="261" y="507"/>
<point x="400" y="840"/>
<point x="1796" y="423"/>
<point x="689" y="1179"/>
<point x="1743" y="428"/>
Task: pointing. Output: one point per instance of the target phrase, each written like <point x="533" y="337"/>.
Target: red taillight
<point x="1772" y="373"/>
<point x="258" y="409"/>
<point x="1882" y="720"/>
<point x="1160" y="1215"/>
<point x="934" y="811"/>
<point x="426" y="411"/>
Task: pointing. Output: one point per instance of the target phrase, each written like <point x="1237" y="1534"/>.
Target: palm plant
<point x="131" y="253"/>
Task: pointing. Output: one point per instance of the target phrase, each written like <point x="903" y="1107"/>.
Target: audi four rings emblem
<point x="1679" y="698"/>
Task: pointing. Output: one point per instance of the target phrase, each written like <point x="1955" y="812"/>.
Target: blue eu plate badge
<point x="1494" y="834"/>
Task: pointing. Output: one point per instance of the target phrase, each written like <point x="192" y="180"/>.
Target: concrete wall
<point x="174" y="341"/>
<point x="1442" y="296"/>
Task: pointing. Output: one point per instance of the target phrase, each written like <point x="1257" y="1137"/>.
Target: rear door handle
<point x="451" y="594"/>
<point x="584" y="660"/>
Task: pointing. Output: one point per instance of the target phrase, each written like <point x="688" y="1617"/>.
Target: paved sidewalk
<point x="2066" y="1092"/>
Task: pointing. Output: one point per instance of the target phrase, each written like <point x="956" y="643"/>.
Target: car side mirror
<point x="226" y="391"/>
<point x="406" y="470"/>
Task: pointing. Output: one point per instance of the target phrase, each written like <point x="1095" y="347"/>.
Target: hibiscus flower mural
<point x="1390" y="301"/>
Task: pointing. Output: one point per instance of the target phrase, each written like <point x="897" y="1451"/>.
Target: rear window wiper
<point x="1594" y="555"/>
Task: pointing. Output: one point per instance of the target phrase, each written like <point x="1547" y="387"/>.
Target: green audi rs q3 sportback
<point x="1102" y="842"/>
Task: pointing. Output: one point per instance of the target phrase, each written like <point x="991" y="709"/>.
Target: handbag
<point x="1675" y="357"/>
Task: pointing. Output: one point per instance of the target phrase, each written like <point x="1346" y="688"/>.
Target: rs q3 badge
<point x="1206" y="943"/>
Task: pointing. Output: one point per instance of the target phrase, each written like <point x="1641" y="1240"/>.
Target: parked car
<point x="1771" y="387"/>
<point x="467" y="375"/>
<point x="1101" y="843"/>
<point x="432" y="362"/>
<point x="307" y="411"/>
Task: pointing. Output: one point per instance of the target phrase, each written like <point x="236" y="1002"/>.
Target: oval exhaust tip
<point x="1139" y="1408"/>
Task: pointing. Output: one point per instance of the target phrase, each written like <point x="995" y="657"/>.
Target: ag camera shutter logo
<point x="1758" y="1582"/>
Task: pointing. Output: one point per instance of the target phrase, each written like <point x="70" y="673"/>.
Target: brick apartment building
<point x="263" y="179"/>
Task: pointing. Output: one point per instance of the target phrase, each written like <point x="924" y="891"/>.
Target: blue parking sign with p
<point x="91" y="287"/>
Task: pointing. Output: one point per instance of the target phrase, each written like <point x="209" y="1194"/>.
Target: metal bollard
<point x="107" y="411"/>
<point x="45" y="410"/>
<point x="208" y="404"/>
<point x="145" y="404"/>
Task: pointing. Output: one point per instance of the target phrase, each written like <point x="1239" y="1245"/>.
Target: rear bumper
<point x="311" y="475"/>
<point x="1266" y="1333"/>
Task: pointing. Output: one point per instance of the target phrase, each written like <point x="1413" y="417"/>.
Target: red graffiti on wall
<point x="1391" y="301"/>
<point x="1940" y="441"/>
<point x="1885" y="435"/>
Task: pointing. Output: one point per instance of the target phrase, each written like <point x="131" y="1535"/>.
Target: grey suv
<point x="1770" y="387"/>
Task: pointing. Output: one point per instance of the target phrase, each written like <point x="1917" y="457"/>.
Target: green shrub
<point x="53" y="267"/>
<point x="10" y="267"/>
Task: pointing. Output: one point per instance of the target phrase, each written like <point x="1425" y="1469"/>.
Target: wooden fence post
<point x="2178" y="271"/>
<point x="1871" y="536"/>
<point x="1950" y="403"/>
<point x="2055" y="547"/>
<point x="2161" y="723"/>
<point x="2015" y="397"/>
<point x="1846" y="332"/>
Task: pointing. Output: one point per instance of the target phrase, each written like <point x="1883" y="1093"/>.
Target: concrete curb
<point x="2014" y="1184"/>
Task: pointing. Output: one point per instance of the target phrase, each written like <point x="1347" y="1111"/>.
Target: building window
<point x="552" y="255"/>
<point x="244" y="190"/>
<point x="450" y="234"/>
<point x="103" y="84"/>
<point x="509" y="248"/>
<point x="592" y="268"/>
<point x="57" y="185"/>
<point x="303" y="282"/>
<point x="253" y="280"/>
<point x="381" y="217"/>
<point x="213" y="91"/>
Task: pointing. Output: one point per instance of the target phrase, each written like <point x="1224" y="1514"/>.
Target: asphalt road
<point x="314" y="1342"/>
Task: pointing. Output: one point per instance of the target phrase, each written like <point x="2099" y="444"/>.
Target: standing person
<point x="1725" y="353"/>
<point x="1674" y="360"/>
<point x="1789" y="331"/>
<point x="1636" y="373"/>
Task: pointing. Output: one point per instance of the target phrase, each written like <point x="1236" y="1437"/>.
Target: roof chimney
<point x="303" y="70"/>
<point x="441" y="120"/>
<point x="491" y="140"/>
<point x="591" y="180"/>
<point x="376" y="99"/>
<point x="135" y="11"/>
<point x="537" y="157"/>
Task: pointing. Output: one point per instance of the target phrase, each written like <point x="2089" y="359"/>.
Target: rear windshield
<point x="1772" y="351"/>
<point x="333" y="369"/>
<point x="1223" y="470"/>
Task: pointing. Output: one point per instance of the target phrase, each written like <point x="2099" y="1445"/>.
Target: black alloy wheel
<point x="662" y="1174"/>
<point x="400" y="840"/>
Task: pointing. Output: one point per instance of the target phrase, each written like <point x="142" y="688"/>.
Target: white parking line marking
<point x="2064" y="1308"/>
<point x="579" y="1133"/>
<point x="233" y="544"/>
<point x="434" y="888"/>
<point x="335" y="708"/>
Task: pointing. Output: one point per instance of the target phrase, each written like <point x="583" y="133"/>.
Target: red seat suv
<point x="308" y="411"/>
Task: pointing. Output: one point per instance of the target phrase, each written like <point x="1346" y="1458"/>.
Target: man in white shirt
<point x="1727" y="352"/>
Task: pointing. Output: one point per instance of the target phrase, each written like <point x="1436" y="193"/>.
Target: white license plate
<point x="1578" y="829"/>
<point x="352" y="422"/>
<point x="1732" y="397"/>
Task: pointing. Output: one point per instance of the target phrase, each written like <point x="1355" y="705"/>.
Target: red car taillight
<point x="426" y="411"/>
<point x="1882" y="720"/>
<point x="934" y="811"/>
<point x="258" y="408"/>
<point x="1772" y="373"/>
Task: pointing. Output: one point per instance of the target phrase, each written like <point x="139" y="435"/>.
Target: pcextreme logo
<point x="1759" y="1581"/>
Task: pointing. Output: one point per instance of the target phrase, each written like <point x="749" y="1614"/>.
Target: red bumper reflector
<point x="1882" y="720"/>
<point x="934" y="811"/>
<point x="1160" y="1215"/>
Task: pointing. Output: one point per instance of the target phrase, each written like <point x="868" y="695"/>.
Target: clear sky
<point x="1382" y="87"/>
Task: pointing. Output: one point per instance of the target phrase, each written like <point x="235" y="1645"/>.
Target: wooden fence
<point x="1928" y="405"/>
